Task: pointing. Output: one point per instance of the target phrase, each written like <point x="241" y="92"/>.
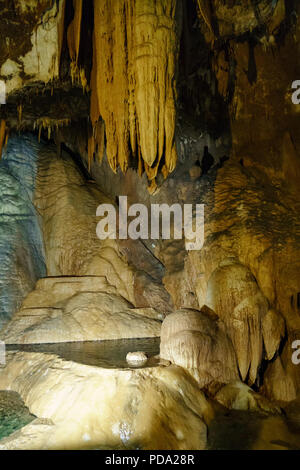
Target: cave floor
<point x="228" y="430"/>
<point x="232" y="430"/>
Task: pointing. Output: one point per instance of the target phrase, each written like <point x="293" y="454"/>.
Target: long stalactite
<point x="133" y="85"/>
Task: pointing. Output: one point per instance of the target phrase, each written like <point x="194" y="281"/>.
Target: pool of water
<point x="109" y="354"/>
<point x="13" y="413"/>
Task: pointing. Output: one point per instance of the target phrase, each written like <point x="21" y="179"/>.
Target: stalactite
<point x="96" y="142"/>
<point x="204" y="8"/>
<point x="100" y="140"/>
<point x="111" y="78"/>
<point x="73" y="36"/>
<point x="133" y="81"/>
<point x="3" y="135"/>
<point x="20" y="112"/>
<point x="50" y="125"/>
<point x="74" y="31"/>
<point x="94" y="108"/>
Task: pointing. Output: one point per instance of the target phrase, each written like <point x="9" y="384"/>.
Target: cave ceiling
<point x="129" y="72"/>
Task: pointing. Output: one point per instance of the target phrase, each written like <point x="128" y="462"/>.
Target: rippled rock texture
<point x="69" y="309"/>
<point x="21" y="244"/>
<point x="91" y="289"/>
<point x="198" y="342"/>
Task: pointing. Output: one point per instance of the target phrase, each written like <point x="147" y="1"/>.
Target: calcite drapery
<point x="133" y="81"/>
<point x="196" y="340"/>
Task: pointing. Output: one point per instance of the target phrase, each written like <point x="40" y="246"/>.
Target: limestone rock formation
<point x="137" y="357"/>
<point x="233" y="294"/>
<point x="282" y="377"/>
<point x="152" y="408"/>
<point x="133" y="81"/>
<point x="239" y="396"/>
<point x="78" y="309"/>
<point x="237" y="18"/>
<point x="21" y="246"/>
<point x="197" y="341"/>
<point x="67" y="204"/>
<point x="248" y="269"/>
<point x="23" y="59"/>
<point x="273" y="330"/>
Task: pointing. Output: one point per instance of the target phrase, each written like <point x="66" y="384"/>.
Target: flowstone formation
<point x="164" y="102"/>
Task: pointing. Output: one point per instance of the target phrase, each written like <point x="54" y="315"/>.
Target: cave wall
<point x="192" y="101"/>
<point x="21" y="243"/>
<point x="26" y="27"/>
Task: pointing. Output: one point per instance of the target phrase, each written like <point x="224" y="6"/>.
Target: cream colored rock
<point x="39" y="58"/>
<point x="196" y="341"/>
<point x="137" y="357"/>
<point x="142" y="40"/>
<point x="239" y="396"/>
<point x="282" y="377"/>
<point x="273" y="329"/>
<point x="78" y="309"/>
<point x="248" y="269"/>
<point x="90" y="407"/>
<point x="233" y="294"/>
<point x="68" y="204"/>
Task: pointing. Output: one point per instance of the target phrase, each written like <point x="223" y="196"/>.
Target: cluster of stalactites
<point x="50" y="125"/>
<point x="133" y="89"/>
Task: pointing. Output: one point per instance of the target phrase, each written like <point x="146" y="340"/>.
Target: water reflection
<point x="109" y="354"/>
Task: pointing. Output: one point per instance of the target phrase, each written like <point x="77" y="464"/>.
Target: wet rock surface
<point x="150" y="408"/>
